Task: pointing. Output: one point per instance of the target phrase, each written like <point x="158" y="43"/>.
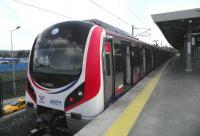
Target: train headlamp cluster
<point x="75" y="96"/>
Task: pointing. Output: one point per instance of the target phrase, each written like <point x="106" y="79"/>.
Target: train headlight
<point x="80" y="93"/>
<point x="75" y="96"/>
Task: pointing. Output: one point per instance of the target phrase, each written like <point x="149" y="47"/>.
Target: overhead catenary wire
<point x="142" y="33"/>
<point x="43" y="9"/>
<point x="135" y="15"/>
<point x="140" y="28"/>
<point x="59" y="14"/>
<point x="120" y="18"/>
<point x="110" y="12"/>
<point x="131" y="11"/>
<point x="92" y="1"/>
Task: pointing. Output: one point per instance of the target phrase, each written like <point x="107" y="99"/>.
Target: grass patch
<point x="7" y="84"/>
<point x="7" y="76"/>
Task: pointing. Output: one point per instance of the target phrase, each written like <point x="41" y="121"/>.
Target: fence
<point x="8" y="67"/>
<point x="1" y="101"/>
<point x="7" y="89"/>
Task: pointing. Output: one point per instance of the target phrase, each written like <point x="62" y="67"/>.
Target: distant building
<point x="23" y="60"/>
<point x="16" y="60"/>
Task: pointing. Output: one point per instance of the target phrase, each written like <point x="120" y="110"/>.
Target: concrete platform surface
<point x="171" y="109"/>
<point x="118" y="119"/>
<point x="174" y="107"/>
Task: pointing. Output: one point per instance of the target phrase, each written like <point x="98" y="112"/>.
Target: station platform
<point x="165" y="103"/>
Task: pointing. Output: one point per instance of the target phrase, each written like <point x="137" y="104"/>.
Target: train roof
<point x="111" y="30"/>
<point x="115" y="31"/>
<point x="109" y="27"/>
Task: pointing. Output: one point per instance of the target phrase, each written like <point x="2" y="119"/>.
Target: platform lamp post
<point x="13" y="66"/>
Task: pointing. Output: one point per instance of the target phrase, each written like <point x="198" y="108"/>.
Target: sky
<point x="36" y="15"/>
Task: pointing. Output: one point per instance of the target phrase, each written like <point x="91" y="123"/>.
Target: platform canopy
<point x="174" y="25"/>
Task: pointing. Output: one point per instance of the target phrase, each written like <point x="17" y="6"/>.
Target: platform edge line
<point x="127" y="119"/>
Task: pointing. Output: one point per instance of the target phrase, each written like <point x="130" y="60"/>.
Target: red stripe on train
<point x="28" y="91"/>
<point x="92" y="71"/>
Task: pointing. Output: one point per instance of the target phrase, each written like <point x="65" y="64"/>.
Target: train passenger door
<point x="108" y="72"/>
<point x="119" y="64"/>
<point x="135" y="63"/>
<point x="122" y="67"/>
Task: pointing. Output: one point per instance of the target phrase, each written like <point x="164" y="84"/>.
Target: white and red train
<point x="78" y="68"/>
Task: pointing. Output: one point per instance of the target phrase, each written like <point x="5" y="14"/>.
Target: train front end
<point x="64" y="80"/>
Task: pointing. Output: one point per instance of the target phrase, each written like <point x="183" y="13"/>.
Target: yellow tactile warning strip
<point x="127" y="119"/>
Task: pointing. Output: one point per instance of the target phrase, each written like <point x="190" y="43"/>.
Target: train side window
<point x="107" y="49"/>
<point x="108" y="64"/>
<point x="118" y="56"/>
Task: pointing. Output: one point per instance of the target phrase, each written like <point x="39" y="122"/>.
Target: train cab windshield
<point x="59" y="49"/>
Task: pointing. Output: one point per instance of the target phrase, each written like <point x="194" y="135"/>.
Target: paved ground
<point x="21" y="123"/>
<point x="17" y="124"/>
<point x="174" y="107"/>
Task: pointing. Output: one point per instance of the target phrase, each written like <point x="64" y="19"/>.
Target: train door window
<point x="148" y="58"/>
<point x="144" y="59"/>
<point x="141" y="60"/>
<point x="155" y="58"/>
<point x="119" y="64"/>
<point x="107" y="66"/>
<point x="135" y="63"/>
<point x="152" y="59"/>
<point x="127" y="67"/>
